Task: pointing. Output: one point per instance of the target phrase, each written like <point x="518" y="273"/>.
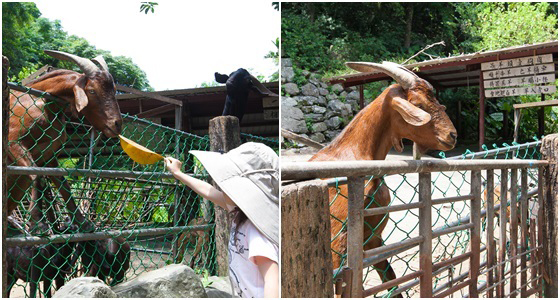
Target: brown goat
<point x="408" y="110"/>
<point x="199" y="238"/>
<point x="36" y="127"/>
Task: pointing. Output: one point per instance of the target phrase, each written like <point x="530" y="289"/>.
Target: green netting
<point x="403" y="225"/>
<point x="160" y="221"/>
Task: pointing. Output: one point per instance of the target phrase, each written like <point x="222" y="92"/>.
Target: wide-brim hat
<point x="248" y="174"/>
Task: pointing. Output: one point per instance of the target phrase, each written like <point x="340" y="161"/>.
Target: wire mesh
<point x="402" y="225"/>
<point x="144" y="201"/>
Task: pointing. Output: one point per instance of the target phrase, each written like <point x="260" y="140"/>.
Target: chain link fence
<point x="403" y="225"/>
<point x="143" y="219"/>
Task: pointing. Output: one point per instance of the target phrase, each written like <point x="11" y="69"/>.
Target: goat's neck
<point x="368" y="137"/>
<point x="61" y="85"/>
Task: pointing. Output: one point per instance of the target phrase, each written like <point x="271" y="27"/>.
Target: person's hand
<point x="172" y="164"/>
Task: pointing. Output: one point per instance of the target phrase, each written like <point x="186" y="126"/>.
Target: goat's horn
<point x="86" y="65"/>
<point x="403" y="76"/>
<point x="261" y="88"/>
<point x="99" y="59"/>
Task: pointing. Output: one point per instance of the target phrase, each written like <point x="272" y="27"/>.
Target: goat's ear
<point x="221" y="78"/>
<point x="80" y="97"/>
<point x="410" y="113"/>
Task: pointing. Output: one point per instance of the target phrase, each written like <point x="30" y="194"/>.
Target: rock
<point x="288" y="101"/>
<point x="286" y="62"/>
<point x="305" y="73"/>
<point x="288" y="73"/>
<point x="323" y="92"/>
<point x="310" y="90"/>
<point x="85" y="287"/>
<point x="333" y="123"/>
<point x="305" y="100"/>
<point x="331" y="134"/>
<point x="337" y="88"/>
<point x="318" y="127"/>
<point x="315" y="117"/>
<point x="290" y="89"/>
<point x="331" y="97"/>
<point x="318" y="137"/>
<point x="220" y="287"/>
<point x="172" y="281"/>
<point x="292" y="119"/>
<point x="343" y="95"/>
<point x="353" y="96"/>
<point x="307" y="109"/>
<point x="323" y="85"/>
<point x="318" y="109"/>
<point x="321" y="101"/>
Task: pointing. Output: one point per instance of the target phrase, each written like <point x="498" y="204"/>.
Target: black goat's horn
<point x="86" y="65"/>
<point x="403" y="76"/>
<point x="99" y="59"/>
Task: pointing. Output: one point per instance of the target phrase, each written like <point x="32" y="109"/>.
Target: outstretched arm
<point x="203" y="188"/>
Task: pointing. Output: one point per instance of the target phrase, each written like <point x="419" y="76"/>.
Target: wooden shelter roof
<point x="199" y="106"/>
<point x="455" y="71"/>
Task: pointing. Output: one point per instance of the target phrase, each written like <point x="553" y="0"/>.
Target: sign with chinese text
<point x="519" y="76"/>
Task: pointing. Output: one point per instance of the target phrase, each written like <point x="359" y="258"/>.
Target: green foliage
<point x="25" y="35"/>
<point x="275" y="56"/>
<point x="147" y="7"/>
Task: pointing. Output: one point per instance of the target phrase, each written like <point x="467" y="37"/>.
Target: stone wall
<point x="314" y="109"/>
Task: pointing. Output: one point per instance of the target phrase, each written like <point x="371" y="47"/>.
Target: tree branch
<point x="421" y="51"/>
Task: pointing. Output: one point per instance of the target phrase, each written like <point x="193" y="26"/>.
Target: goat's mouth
<point x="447" y="144"/>
<point x="110" y="132"/>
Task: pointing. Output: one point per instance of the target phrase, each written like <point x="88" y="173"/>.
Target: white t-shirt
<point x="245" y="243"/>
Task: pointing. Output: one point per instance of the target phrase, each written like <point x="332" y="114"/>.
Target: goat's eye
<point x="91" y="92"/>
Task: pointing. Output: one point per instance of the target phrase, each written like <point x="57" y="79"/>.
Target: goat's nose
<point x="453" y="136"/>
<point x="118" y="125"/>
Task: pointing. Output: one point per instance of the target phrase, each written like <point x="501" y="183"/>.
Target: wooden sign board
<point x="530" y="90"/>
<point x="271" y="114"/>
<point x="517" y="62"/>
<point x="517" y="81"/>
<point x="520" y="71"/>
<point x="270" y="102"/>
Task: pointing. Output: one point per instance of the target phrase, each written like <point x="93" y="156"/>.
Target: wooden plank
<point x="355" y="233"/>
<point x="491" y="253"/>
<point x="156" y="111"/>
<point x="475" y="234"/>
<point x="517" y="62"/>
<point x="503" y="237"/>
<point x="532" y="90"/>
<point x="149" y="95"/>
<point x="296" y="137"/>
<point x="306" y="250"/>
<point x="271" y="114"/>
<point x="517" y="81"/>
<point x="391" y="283"/>
<point x="425" y="230"/>
<point x="481" y="112"/>
<point x="521" y="71"/>
<point x="523" y="206"/>
<point x="536" y="104"/>
<point x="513" y="209"/>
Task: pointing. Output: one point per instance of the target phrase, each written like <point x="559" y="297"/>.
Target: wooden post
<point x="224" y="136"/>
<point x="355" y="233"/>
<point x="513" y="230"/>
<point x="425" y="230"/>
<point x="549" y="151"/>
<point x="474" y="269"/>
<point x="481" y="112"/>
<point x="362" y="102"/>
<point x="177" y="199"/>
<point x="540" y="116"/>
<point x="524" y="231"/>
<point x="491" y="252"/>
<point x="516" y="123"/>
<point x="503" y="235"/>
<point x="306" y="235"/>
<point x="5" y="111"/>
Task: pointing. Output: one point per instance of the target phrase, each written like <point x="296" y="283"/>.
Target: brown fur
<point x="370" y="136"/>
<point x="199" y="238"/>
<point x="36" y="130"/>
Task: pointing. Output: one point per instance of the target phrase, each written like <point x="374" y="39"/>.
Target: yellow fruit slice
<point x="139" y="153"/>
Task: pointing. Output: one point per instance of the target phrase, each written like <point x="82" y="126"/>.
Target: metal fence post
<point x="5" y="108"/>
<point x="355" y="233"/>
<point x="475" y="234"/>
<point x="224" y="136"/>
<point x="549" y="150"/>
<point x="425" y="230"/>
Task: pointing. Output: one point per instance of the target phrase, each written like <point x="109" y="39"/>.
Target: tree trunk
<point x="408" y="33"/>
<point x="5" y="108"/>
<point x="549" y="150"/>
